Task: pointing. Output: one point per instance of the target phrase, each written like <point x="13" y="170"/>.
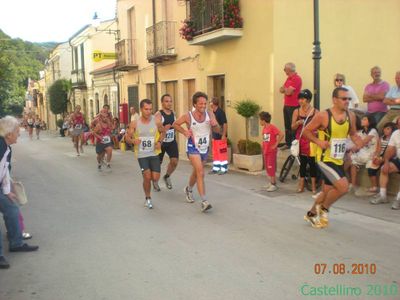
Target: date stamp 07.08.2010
<point x="368" y="290"/>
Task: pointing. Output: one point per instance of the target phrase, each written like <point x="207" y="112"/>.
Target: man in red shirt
<point x="290" y="90"/>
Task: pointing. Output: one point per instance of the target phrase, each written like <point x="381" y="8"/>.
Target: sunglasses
<point x="338" y="79"/>
<point x="345" y="98"/>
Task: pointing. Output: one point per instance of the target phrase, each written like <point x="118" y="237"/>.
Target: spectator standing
<point x="374" y="93"/>
<point x="133" y="114"/>
<point x="290" y="89"/>
<point x="301" y="117"/>
<point x="9" y="133"/>
<point x="392" y="99"/>
<point x="339" y="80"/>
<point x="219" y="143"/>
<point x="271" y="138"/>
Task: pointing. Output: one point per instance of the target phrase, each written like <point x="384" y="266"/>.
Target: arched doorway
<point x="96" y="98"/>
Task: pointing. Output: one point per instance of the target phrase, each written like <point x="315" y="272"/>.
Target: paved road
<point x="97" y="241"/>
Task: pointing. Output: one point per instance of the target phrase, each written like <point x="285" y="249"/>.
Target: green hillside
<point x="19" y="60"/>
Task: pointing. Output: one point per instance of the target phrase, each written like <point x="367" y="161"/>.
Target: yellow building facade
<point x="248" y="63"/>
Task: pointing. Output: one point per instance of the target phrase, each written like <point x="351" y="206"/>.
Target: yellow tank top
<point x="337" y="135"/>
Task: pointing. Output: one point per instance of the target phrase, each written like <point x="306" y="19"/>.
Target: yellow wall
<point x="355" y="35"/>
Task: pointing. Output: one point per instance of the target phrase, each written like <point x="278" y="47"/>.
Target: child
<point x="374" y="164"/>
<point x="370" y="139"/>
<point x="271" y="138"/>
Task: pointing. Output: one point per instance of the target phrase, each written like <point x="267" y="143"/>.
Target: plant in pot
<point x="249" y="156"/>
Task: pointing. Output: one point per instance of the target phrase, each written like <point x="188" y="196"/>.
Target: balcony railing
<point x="78" y="78"/>
<point x="164" y="36"/>
<point x="126" y="55"/>
<point x="210" y="21"/>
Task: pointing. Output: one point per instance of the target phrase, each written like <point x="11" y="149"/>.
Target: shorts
<point x="396" y="162"/>
<point x="100" y="148"/>
<point x="171" y="149"/>
<point x="331" y="172"/>
<point x="37" y="126"/>
<point x="77" y="132"/>
<point x="151" y="163"/>
<point x="191" y="149"/>
<point x="270" y="163"/>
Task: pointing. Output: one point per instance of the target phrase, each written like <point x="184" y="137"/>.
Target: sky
<point x="51" y="20"/>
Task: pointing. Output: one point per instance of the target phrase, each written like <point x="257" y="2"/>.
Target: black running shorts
<point x="331" y="172"/>
<point x="170" y="148"/>
<point x="151" y="163"/>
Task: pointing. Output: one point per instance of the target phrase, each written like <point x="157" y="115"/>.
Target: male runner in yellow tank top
<point x="335" y="125"/>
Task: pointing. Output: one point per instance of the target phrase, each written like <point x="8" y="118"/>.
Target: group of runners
<point x="153" y="136"/>
<point x="30" y="122"/>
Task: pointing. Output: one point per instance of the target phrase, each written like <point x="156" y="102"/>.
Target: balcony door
<point x="133" y="97"/>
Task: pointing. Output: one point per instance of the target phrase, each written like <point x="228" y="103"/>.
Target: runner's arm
<point x="184" y="119"/>
<point x="161" y="129"/>
<point x="296" y="123"/>
<point x="130" y="132"/>
<point x="213" y="122"/>
<point x="319" y="121"/>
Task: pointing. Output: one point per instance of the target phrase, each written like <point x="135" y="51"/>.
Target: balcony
<point x="78" y="78"/>
<point x="126" y="55"/>
<point x="212" y="21"/>
<point x="163" y="35"/>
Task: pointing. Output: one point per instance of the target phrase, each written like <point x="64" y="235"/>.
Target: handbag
<point x="295" y="147"/>
<point x="19" y="191"/>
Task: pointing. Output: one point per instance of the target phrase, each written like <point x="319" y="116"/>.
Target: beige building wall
<point x="355" y="35"/>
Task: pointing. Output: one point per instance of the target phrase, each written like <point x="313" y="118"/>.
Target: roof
<point x="104" y="69"/>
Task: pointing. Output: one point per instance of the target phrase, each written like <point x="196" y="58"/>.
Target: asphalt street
<point x="97" y="241"/>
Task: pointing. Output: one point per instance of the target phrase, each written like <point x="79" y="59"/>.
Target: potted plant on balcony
<point x="249" y="156"/>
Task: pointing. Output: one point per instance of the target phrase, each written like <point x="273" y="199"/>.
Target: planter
<point x="251" y="163"/>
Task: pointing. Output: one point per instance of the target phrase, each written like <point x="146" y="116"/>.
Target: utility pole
<point x="316" y="56"/>
<point x="155" y="54"/>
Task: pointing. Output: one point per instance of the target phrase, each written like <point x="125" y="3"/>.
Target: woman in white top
<point x="339" y="80"/>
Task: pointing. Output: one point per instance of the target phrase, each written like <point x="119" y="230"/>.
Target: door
<point x="133" y="97"/>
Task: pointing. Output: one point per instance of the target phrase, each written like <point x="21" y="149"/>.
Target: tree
<point x="58" y="96"/>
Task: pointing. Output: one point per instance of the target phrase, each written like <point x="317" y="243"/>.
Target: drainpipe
<point x="118" y="91"/>
<point x="155" y="53"/>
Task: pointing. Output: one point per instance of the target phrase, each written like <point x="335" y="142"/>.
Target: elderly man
<point x="391" y="165"/>
<point x="290" y="89"/>
<point x="374" y="93"/>
<point x="392" y="99"/>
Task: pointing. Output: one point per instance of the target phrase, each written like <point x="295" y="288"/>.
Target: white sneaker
<point x="148" y="204"/>
<point x="272" y="188"/>
<point x="379" y="200"/>
<point x="396" y="204"/>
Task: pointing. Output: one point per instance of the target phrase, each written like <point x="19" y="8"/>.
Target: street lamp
<point x="96" y="24"/>
<point x="316" y="55"/>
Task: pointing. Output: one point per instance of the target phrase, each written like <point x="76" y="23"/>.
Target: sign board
<point x="99" y="55"/>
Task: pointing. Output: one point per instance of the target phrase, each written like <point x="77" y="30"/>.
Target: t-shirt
<point x="220" y="116"/>
<point x="293" y="80"/>
<point x="395" y="142"/>
<point x="270" y="133"/>
<point x="353" y="95"/>
<point x="394" y="93"/>
<point x="374" y="88"/>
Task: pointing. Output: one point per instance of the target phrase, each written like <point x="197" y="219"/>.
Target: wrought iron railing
<point x="163" y="34"/>
<point x="126" y="53"/>
<point x="208" y="15"/>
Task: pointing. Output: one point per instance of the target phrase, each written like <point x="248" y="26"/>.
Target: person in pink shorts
<point x="271" y="138"/>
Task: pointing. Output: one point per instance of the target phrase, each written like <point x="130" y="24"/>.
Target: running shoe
<point x="379" y="200"/>
<point x="396" y="204"/>
<point x="189" y="195"/>
<point x="205" y="205"/>
<point x="99" y="167"/>
<point x="156" y="187"/>
<point x="313" y="220"/>
<point x="272" y="188"/>
<point x="108" y="167"/>
<point x="148" y="204"/>
<point x="323" y="215"/>
<point x="167" y="180"/>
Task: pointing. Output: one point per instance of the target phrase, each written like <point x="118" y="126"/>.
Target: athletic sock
<point x="382" y="192"/>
